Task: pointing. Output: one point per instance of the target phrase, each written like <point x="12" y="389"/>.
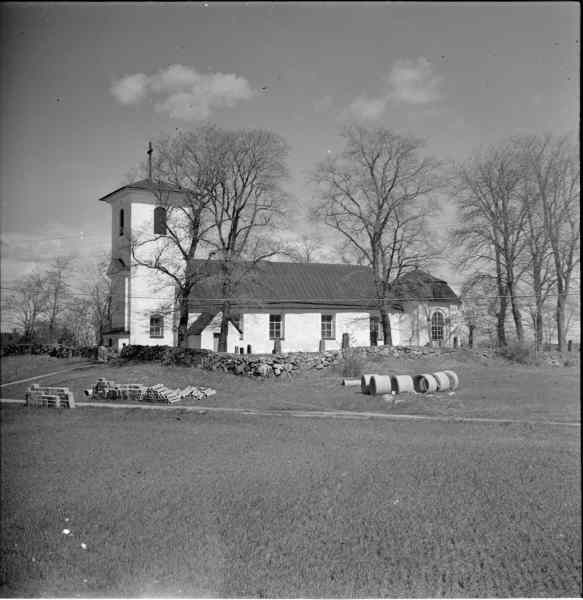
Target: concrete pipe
<point x="425" y="383"/>
<point x="442" y="381"/>
<point x="380" y="384"/>
<point x="402" y="383"/>
<point x="365" y="383"/>
<point x="453" y="379"/>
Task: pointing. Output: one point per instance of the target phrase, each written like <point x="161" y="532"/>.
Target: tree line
<point x="67" y="303"/>
<point x="519" y="230"/>
<point x="516" y="232"/>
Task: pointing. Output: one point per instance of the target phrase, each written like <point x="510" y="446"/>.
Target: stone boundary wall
<point x="267" y="365"/>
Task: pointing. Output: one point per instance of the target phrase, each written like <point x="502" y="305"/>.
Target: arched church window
<point x="437" y="323"/>
<point x="160" y="220"/>
<point x="156" y="326"/>
<point x="121" y="221"/>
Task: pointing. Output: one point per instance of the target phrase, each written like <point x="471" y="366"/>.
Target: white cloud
<point x="414" y="82"/>
<point x="184" y="93"/>
<point x="368" y="108"/>
<point x="408" y="82"/>
<point x="130" y="89"/>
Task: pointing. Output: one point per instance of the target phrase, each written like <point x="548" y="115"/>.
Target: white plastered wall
<point x="206" y="339"/>
<point x="302" y="331"/>
<point x="151" y="292"/>
<point x="420" y="323"/>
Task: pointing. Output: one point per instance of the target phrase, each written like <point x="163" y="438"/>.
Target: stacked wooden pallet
<point x="49" y="397"/>
<point x="196" y="393"/>
<point x="109" y="390"/>
<point x="160" y="393"/>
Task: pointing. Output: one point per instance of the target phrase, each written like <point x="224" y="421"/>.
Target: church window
<point x="328" y="332"/>
<point x="160" y="220"/>
<point x="275" y="327"/>
<point x="437" y="323"/>
<point x="121" y="221"/>
<point x="156" y="326"/>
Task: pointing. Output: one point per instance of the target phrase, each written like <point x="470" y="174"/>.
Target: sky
<point x="85" y="86"/>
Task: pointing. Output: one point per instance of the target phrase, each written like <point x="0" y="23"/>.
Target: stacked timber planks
<point x="49" y="397"/>
<point x="109" y="390"/>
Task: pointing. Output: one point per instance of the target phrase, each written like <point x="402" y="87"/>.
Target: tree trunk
<point x="515" y="312"/>
<point x="224" y="327"/>
<point x="560" y="318"/>
<point x="182" y="320"/>
<point x="502" y="293"/>
<point x="471" y="336"/>
<point x="500" y="322"/>
<point x="226" y="309"/>
<point x="538" y="326"/>
<point x="386" y="323"/>
<point x="374" y="331"/>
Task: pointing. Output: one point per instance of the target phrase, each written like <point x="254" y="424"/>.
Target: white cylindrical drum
<point x="380" y="384"/>
<point x="425" y="383"/>
<point x="365" y="383"/>
<point x="402" y="383"/>
<point x="442" y="381"/>
<point x="453" y="379"/>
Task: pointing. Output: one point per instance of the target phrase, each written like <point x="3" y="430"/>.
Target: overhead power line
<point x="396" y="299"/>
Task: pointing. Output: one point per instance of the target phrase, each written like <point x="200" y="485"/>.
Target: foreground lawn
<point x="178" y="504"/>
<point x="486" y="390"/>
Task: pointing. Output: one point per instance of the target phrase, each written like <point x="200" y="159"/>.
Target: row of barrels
<point x="375" y="384"/>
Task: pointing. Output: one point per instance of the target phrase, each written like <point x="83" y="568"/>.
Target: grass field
<point x="180" y="504"/>
<point x="486" y="390"/>
<point x="176" y="503"/>
<point x="14" y="368"/>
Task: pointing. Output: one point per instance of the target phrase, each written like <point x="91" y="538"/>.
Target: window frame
<point x="437" y="327"/>
<point x="157" y="327"/>
<point x="332" y="323"/>
<point x="160" y="222"/>
<point x="121" y="221"/>
<point x="272" y="336"/>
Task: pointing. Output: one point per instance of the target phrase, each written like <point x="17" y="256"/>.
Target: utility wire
<point x="343" y="300"/>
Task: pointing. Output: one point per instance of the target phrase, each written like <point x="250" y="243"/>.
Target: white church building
<point x="302" y="306"/>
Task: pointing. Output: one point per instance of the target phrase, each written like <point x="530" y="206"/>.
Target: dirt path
<point x="326" y="414"/>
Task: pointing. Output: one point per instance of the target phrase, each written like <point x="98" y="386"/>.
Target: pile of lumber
<point x="49" y="397"/>
<point x="160" y="393"/>
<point x="109" y="390"/>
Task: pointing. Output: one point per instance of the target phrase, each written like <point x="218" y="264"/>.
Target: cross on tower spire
<point x="149" y="153"/>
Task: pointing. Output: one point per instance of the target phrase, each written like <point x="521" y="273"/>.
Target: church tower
<point x="142" y="299"/>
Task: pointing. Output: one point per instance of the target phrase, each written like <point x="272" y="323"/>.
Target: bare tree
<point x="88" y="309"/>
<point x="220" y="190"/>
<point x="480" y="305"/>
<point x="376" y="195"/>
<point x="539" y="272"/>
<point x="57" y="289"/>
<point x="492" y="223"/>
<point x="28" y="302"/>
<point x="181" y="170"/>
<point x="244" y="200"/>
<point x="553" y="170"/>
<point x="304" y="249"/>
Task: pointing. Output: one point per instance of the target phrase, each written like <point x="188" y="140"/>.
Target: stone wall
<point x="266" y="365"/>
